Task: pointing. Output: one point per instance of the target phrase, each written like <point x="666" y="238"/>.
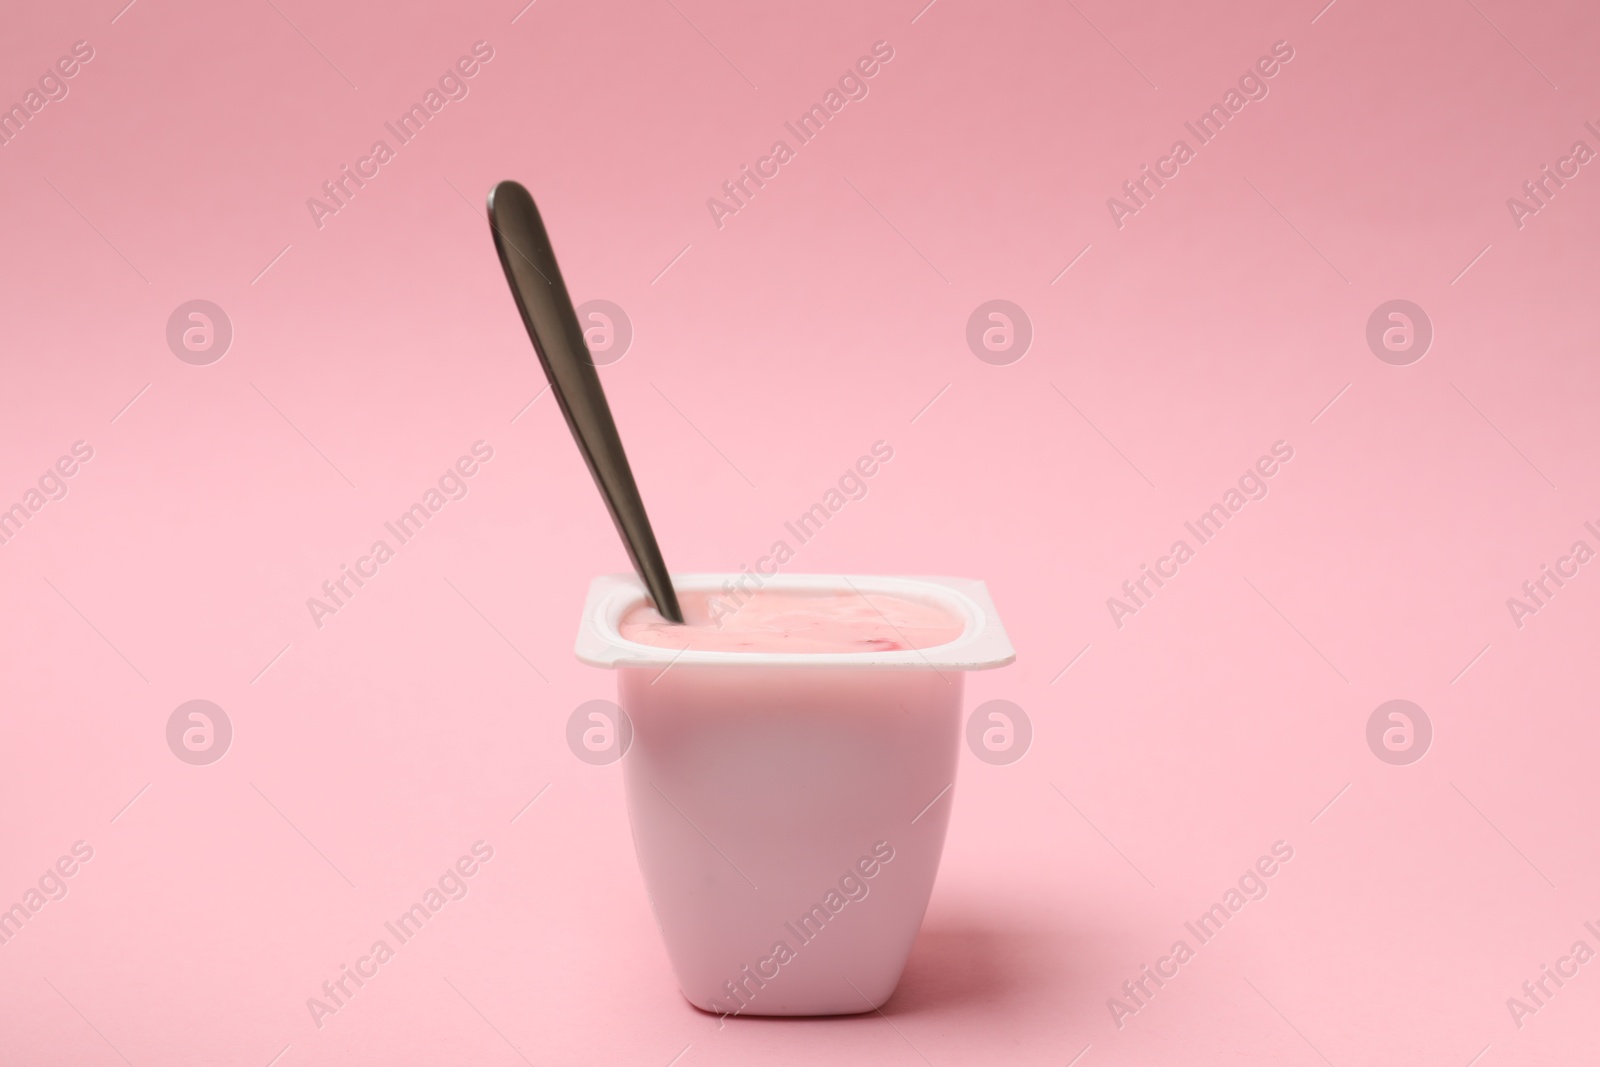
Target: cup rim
<point x="983" y="643"/>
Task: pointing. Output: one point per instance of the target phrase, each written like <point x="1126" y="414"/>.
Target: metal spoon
<point x="541" y="296"/>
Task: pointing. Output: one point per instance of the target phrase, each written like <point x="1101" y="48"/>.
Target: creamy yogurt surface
<point x="794" y="620"/>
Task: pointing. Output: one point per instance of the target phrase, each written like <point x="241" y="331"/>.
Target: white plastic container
<point x="789" y="809"/>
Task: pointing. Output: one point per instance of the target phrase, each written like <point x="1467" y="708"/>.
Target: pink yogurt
<point x="794" y="620"/>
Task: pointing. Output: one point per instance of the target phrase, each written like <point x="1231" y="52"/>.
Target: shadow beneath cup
<point x="970" y="963"/>
<point x="974" y="963"/>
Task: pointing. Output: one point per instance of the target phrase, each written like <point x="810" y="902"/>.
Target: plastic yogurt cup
<point x="789" y="807"/>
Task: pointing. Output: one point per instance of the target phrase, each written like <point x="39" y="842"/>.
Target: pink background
<point x="369" y="754"/>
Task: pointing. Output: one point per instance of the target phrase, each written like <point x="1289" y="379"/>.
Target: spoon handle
<point x="547" y="312"/>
